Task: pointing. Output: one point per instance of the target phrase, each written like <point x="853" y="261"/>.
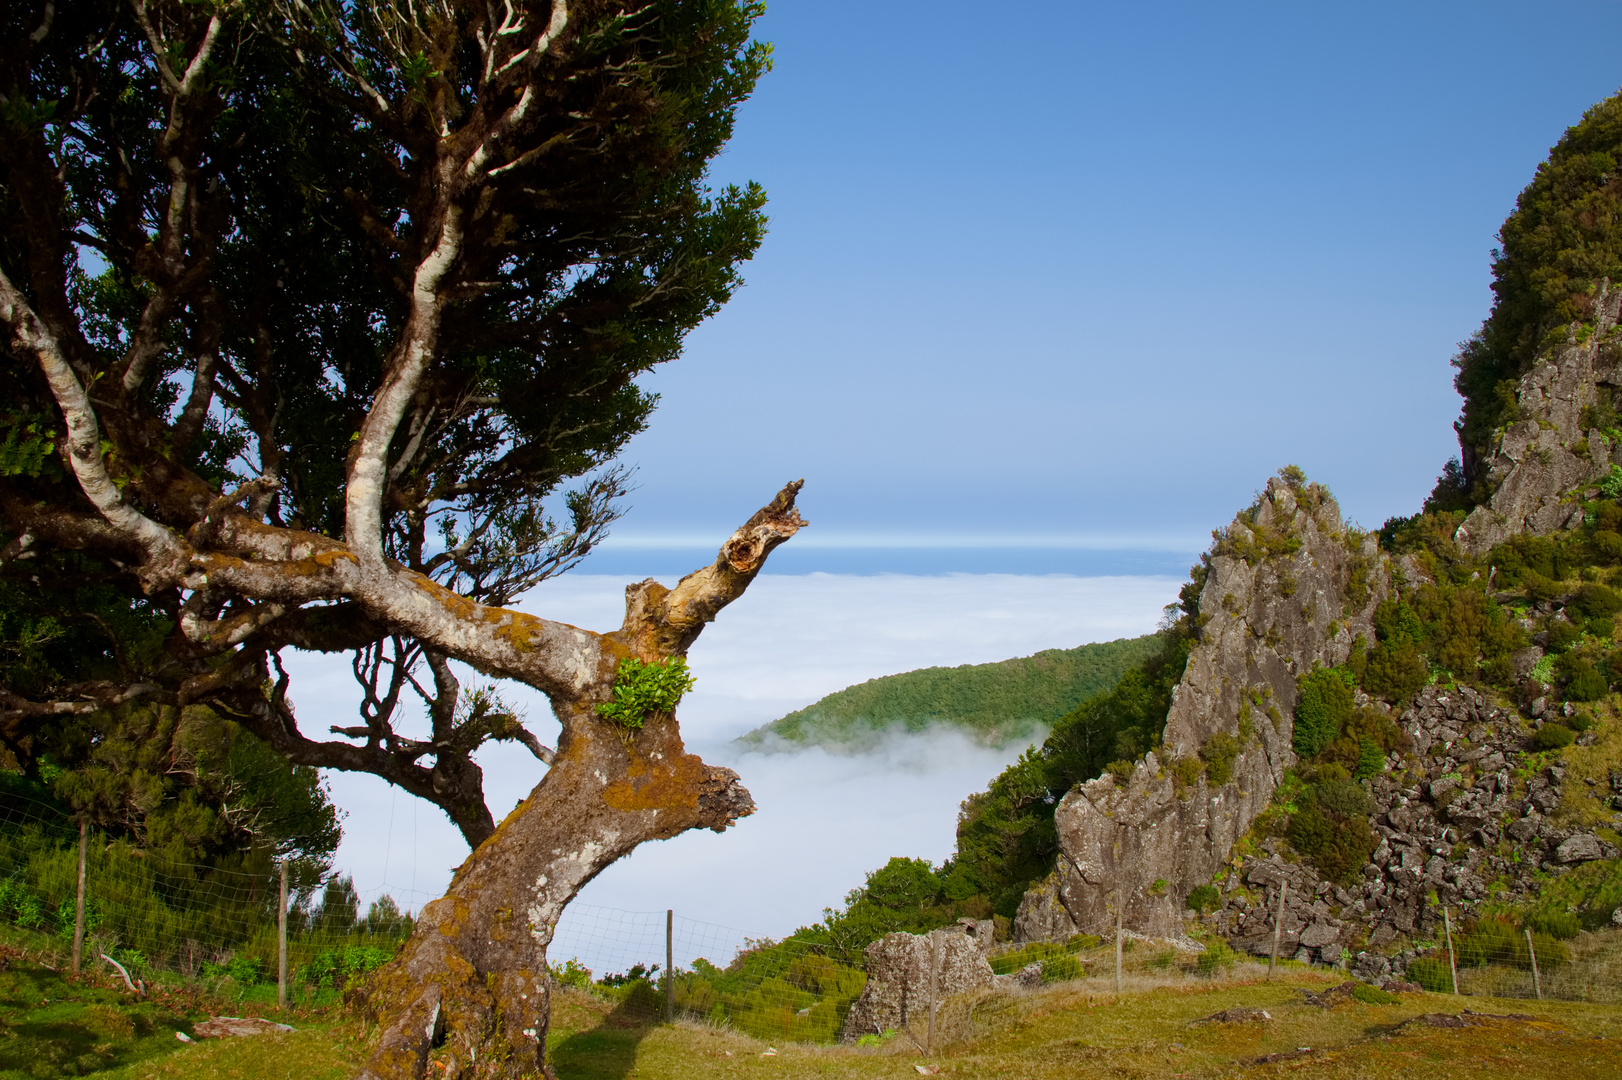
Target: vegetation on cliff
<point x="1563" y="238"/>
<point x="996" y="704"/>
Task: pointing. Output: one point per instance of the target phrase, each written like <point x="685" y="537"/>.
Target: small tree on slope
<point x="308" y="306"/>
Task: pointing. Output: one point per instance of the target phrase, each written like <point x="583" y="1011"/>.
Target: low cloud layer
<point x="823" y="820"/>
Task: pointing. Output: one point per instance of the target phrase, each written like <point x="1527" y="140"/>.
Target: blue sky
<point x="1056" y="288"/>
<point x="1048" y="290"/>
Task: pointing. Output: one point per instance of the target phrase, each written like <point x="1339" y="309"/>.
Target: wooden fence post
<point x="1531" y="950"/>
<point x="281" y="942"/>
<point x="78" y="904"/>
<point x="1117" y="942"/>
<point x="1452" y="965"/>
<point x="1278" y="926"/>
<point x="934" y="965"/>
<point x="670" y="965"/>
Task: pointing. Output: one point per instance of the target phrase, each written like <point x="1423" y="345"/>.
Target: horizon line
<point x="890" y="542"/>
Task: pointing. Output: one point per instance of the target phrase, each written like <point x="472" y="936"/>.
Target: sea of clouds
<point x="823" y="820"/>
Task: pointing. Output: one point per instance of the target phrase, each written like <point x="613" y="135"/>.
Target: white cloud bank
<point x="823" y="820"/>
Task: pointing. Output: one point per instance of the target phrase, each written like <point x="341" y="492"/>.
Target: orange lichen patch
<point x="522" y="632"/>
<point x="661" y="785"/>
<point x="451" y="922"/>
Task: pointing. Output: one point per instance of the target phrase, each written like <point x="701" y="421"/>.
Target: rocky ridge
<point x="1287" y="587"/>
<point x="1553" y="447"/>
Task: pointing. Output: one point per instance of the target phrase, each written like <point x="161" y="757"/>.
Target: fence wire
<point x="161" y="917"/>
<point x="158" y="915"/>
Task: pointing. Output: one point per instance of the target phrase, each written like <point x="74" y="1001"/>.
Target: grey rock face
<point x="1583" y="847"/>
<point x="1547" y="452"/>
<point x="1423" y="848"/>
<point x="1042" y="915"/>
<point x="1144" y="845"/>
<point x="898" y="978"/>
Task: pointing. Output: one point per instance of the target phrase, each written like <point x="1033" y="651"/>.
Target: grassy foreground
<point x="1077" y="1028"/>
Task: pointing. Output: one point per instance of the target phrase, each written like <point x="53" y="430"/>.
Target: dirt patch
<point x="1234" y="1016"/>
<point x="224" y="1027"/>
<point x="1465" y="1019"/>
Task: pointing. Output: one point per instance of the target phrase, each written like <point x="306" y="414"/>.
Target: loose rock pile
<point x="1441" y="812"/>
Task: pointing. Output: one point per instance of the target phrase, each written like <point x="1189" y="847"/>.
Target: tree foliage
<point x="323" y="329"/>
<point x="247" y="227"/>
<point x="994" y="703"/>
<point x="1563" y="238"/>
<point x="1006" y="839"/>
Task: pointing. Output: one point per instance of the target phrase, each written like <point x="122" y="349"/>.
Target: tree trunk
<point x="472" y="979"/>
<point x="474" y="973"/>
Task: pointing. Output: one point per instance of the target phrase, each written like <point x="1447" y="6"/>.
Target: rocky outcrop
<point x="1440" y="813"/>
<point x="898" y="976"/>
<point x="1288" y="587"/>
<point x="1042" y="915"/>
<point x="1540" y="458"/>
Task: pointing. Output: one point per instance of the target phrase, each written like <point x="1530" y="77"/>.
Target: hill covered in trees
<point x="996" y="704"/>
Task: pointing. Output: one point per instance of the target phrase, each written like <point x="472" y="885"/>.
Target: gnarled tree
<point x="310" y="307"/>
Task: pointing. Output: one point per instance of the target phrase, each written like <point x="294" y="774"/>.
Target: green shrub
<point x="240" y="969"/>
<point x="1432" y="973"/>
<point x="1553" y="737"/>
<point x="1581" y="722"/>
<point x="1219" y="753"/>
<point x="1586" y="684"/>
<point x="1596" y="600"/>
<point x="1058" y="961"/>
<point x="1062" y="969"/>
<point x="1204" y="897"/>
<point x="646" y="690"/>
<point x="1557" y="924"/>
<point x="1323" y="705"/>
<point x="1370" y="759"/>
<point x="1216" y="958"/>
<point x="341" y="968"/>
<point x="571" y="973"/>
<point x="1561" y="636"/>
<point x="1395" y="671"/>
<point x="1331" y="825"/>
<point x="1121" y="770"/>
<point x="1492" y="940"/>
<point x="1345" y="798"/>
<point x="1373" y="995"/>
<point x="1606" y="545"/>
<point x="1185" y="772"/>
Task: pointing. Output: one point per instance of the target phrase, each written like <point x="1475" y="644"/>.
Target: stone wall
<point x="1269" y="614"/>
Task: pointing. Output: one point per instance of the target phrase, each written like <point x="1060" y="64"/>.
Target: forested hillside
<point x="997" y="704"/>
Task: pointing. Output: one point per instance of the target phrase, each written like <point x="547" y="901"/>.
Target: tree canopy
<point x="323" y="324"/>
<point x="234" y="231"/>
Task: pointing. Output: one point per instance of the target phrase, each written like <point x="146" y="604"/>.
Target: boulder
<point x="1042" y="915"/>
<point x="1320" y="934"/>
<point x="898" y="978"/>
<point x="1583" y="847"/>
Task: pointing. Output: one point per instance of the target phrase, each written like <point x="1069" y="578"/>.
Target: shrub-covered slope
<point x="996" y="704"/>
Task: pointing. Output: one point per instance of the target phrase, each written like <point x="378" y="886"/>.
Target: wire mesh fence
<point x="1497" y="956"/>
<point x="154" y="915"/>
<point x="159" y="917"/>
